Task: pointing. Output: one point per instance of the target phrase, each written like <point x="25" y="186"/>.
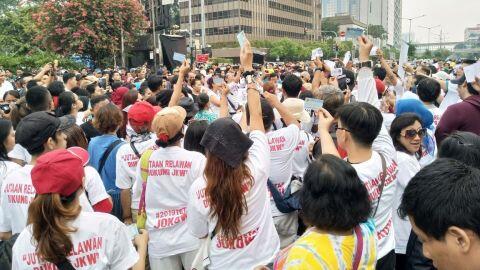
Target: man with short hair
<point x="5" y="85"/>
<point x="462" y="116"/>
<point x="428" y="90"/>
<point x="442" y="203"/>
<point x="155" y="84"/>
<point x="361" y="133"/>
<point x="70" y="81"/>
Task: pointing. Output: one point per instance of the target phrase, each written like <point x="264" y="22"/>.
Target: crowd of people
<point x="229" y="166"/>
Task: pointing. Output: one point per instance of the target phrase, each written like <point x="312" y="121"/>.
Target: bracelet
<point x="319" y="69"/>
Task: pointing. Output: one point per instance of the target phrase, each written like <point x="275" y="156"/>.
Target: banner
<point x="201" y="58"/>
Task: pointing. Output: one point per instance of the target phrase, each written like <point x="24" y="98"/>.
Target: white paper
<point x="313" y="104"/>
<point x="330" y="64"/>
<point x="241" y="38"/>
<point x="178" y="57"/>
<point x="374" y="50"/>
<point x="347" y="57"/>
<point x="471" y="71"/>
<point x="318" y="52"/>
<point x="336" y="72"/>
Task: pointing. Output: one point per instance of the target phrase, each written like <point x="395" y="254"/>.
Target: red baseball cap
<point x="142" y="112"/>
<point x="60" y="171"/>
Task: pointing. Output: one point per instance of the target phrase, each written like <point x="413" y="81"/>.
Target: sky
<point x="453" y="16"/>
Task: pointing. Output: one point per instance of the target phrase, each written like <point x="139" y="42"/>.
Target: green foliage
<point x="388" y="51"/>
<point x="17" y="32"/>
<point x="330" y="26"/>
<point x="441" y="53"/>
<point x="376" y="31"/>
<point x="427" y="54"/>
<point x="35" y="61"/>
<point x="412" y="49"/>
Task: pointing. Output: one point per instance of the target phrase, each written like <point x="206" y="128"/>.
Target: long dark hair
<point x="400" y="122"/>
<point x="194" y="135"/>
<point x="49" y="215"/>
<point x="225" y="193"/>
<point x="5" y="127"/>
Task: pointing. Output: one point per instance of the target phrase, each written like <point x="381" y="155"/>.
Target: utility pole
<point x="123" y="47"/>
<point x="429" y="28"/>
<point x="152" y="16"/>
<point x="410" y="28"/>
<point x="202" y="4"/>
<point x="190" y="32"/>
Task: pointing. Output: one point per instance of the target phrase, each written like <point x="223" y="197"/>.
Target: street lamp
<point x="410" y="29"/>
<point x="429" y="28"/>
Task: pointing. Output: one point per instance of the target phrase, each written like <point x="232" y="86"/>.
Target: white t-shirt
<point x="282" y="144"/>
<point x="370" y="173"/>
<point x="300" y="155"/>
<point x="213" y="108"/>
<point x="6" y="167"/>
<point x="171" y="171"/>
<point x="94" y="186"/>
<point x="258" y="242"/>
<point x="19" y="152"/>
<point x="16" y="194"/>
<point x="127" y="165"/>
<point x="437" y="114"/>
<point x="408" y="166"/>
<point x="100" y="242"/>
<point x="6" y="86"/>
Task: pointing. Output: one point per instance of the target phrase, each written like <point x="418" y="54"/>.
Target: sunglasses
<point x="411" y="133"/>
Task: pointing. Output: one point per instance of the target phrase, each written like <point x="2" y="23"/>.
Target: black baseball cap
<point x="346" y="80"/>
<point x="35" y="129"/>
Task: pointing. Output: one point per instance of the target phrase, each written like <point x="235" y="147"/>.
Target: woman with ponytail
<point x="230" y="204"/>
<point x="171" y="172"/>
<point x="59" y="233"/>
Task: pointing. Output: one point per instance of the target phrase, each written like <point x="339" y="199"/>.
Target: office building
<point x="260" y="19"/>
<point x="397" y="22"/>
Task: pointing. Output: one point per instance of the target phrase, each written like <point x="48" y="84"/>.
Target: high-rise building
<point x="397" y="22"/>
<point x="260" y="20"/>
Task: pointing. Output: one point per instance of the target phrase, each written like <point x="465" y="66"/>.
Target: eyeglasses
<point x="411" y="133"/>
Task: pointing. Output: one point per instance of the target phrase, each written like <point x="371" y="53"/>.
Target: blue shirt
<point x="96" y="149"/>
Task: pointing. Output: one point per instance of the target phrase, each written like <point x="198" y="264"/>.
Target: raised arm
<point x="367" y="91"/>
<point x="253" y="96"/>
<point x="390" y="75"/>
<point x="223" y="101"/>
<point x="319" y="77"/>
<point x="284" y="112"/>
<point x="325" y="121"/>
<point x="177" y="88"/>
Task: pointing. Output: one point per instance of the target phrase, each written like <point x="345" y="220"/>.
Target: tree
<point x="376" y="31"/>
<point x="89" y="27"/>
<point x="427" y="54"/>
<point x="329" y="26"/>
<point x="17" y="32"/>
<point x="442" y="54"/>
<point x="412" y="50"/>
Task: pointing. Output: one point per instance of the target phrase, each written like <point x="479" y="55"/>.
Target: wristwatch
<point x="246" y="73"/>
<point x="366" y="64"/>
<point x="249" y="79"/>
<point x="319" y="69"/>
